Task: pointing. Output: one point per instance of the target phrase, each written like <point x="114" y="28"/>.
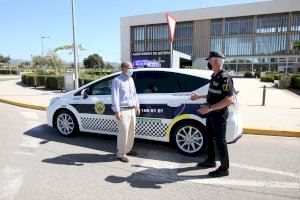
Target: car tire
<point x="190" y="139"/>
<point x="66" y="123"/>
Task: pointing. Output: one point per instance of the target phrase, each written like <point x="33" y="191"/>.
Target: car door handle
<point x="174" y="104"/>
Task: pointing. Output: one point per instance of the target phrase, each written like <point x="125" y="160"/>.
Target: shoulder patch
<point x="226" y="87"/>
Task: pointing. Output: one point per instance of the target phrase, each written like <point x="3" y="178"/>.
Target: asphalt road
<point x="37" y="163"/>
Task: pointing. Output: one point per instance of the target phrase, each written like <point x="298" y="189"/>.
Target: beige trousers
<point x="126" y="131"/>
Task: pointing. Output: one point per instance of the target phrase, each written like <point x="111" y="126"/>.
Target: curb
<point x="24" y="105"/>
<point x="251" y="131"/>
<point x="271" y="132"/>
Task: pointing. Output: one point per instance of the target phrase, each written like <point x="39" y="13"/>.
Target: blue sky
<point x="97" y="23"/>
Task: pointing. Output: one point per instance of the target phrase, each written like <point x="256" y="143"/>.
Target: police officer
<point x="219" y="97"/>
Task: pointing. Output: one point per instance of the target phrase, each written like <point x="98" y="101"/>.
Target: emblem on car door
<point x="99" y="107"/>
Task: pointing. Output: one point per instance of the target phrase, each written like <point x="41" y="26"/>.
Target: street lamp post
<point x="74" y="45"/>
<point x="43" y="37"/>
<point x="116" y="54"/>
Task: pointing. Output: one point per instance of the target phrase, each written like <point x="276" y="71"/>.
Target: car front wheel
<point x="190" y="139"/>
<point x="66" y="124"/>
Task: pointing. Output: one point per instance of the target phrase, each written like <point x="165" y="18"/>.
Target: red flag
<point x="171" y="24"/>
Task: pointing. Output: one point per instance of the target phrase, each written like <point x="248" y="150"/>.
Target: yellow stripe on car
<point x="176" y="119"/>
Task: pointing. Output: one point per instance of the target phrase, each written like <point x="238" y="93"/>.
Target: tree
<point x="4" y="59"/>
<point x="296" y="45"/>
<point x="24" y="64"/>
<point x="68" y="47"/>
<point x="50" y="61"/>
<point x="94" y="61"/>
<point x="109" y="66"/>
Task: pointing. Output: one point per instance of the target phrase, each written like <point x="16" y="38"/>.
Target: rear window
<point x="190" y="83"/>
<point x="155" y="82"/>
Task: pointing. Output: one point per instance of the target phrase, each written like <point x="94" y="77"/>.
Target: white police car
<point x="167" y="113"/>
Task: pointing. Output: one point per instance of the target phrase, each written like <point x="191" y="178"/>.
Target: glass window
<point x="295" y="24"/>
<point x="157" y="38"/>
<point x="238" y="26"/>
<point x="183" y="45"/>
<point x="238" y="46"/>
<point x="184" y="30"/>
<point x="138" y="46"/>
<point x="272" y="24"/>
<point x="157" y="32"/>
<point x="216" y="28"/>
<point x="270" y="44"/>
<point x="102" y="87"/>
<point x="216" y="44"/>
<point x="155" y="82"/>
<point x="190" y="83"/>
<point x="138" y="33"/>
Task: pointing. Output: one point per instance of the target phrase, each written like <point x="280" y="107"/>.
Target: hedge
<point x="83" y="81"/>
<point x="48" y="81"/>
<point x="54" y="82"/>
<point x="295" y="83"/>
<point x="248" y="75"/>
<point x="7" y="71"/>
<point x="267" y="78"/>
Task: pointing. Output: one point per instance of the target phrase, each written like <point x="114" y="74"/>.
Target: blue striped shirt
<point x="123" y="93"/>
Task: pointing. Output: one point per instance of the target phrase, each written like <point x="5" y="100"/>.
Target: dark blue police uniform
<point x="221" y="86"/>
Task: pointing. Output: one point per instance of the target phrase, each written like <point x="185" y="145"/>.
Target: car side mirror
<point x="84" y="93"/>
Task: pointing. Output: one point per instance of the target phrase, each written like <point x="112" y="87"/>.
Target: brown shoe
<point x="132" y="153"/>
<point x="123" y="159"/>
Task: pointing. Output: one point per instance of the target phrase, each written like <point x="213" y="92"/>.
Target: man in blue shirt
<point x="126" y="107"/>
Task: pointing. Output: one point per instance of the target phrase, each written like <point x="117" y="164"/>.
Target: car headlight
<point x="53" y="100"/>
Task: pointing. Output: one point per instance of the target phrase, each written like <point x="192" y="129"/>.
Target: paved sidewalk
<point x="281" y="113"/>
<point x="13" y="90"/>
<point x="282" y="110"/>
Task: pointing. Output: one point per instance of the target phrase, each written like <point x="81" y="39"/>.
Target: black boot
<point x="219" y="173"/>
<point x="207" y="164"/>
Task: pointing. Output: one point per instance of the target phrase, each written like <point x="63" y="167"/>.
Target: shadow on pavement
<point x="154" y="177"/>
<point x="80" y="159"/>
<point x="106" y="143"/>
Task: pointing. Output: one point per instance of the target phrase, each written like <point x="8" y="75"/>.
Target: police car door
<point x="95" y="110"/>
<point x="160" y="102"/>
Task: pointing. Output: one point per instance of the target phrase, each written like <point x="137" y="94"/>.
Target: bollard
<point x="34" y="81"/>
<point x="264" y="96"/>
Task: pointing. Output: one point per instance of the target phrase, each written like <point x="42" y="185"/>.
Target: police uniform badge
<point x="99" y="107"/>
<point x="226" y="87"/>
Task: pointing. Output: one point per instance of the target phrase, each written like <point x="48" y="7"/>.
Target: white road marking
<point x="155" y="166"/>
<point x="266" y="170"/>
<point x="10" y="182"/>
<point x="245" y="183"/>
<point x="160" y="168"/>
<point x="30" y="115"/>
<point x="28" y="141"/>
<point x="28" y="145"/>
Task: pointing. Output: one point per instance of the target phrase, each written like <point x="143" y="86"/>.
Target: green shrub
<point x="30" y="80"/>
<point x="276" y="76"/>
<point x="257" y="74"/>
<point x="248" y="75"/>
<point x="54" y="82"/>
<point x="267" y="78"/>
<point x="24" y="79"/>
<point x="285" y="81"/>
<point x="48" y="81"/>
<point x="7" y="71"/>
<point x="295" y="82"/>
